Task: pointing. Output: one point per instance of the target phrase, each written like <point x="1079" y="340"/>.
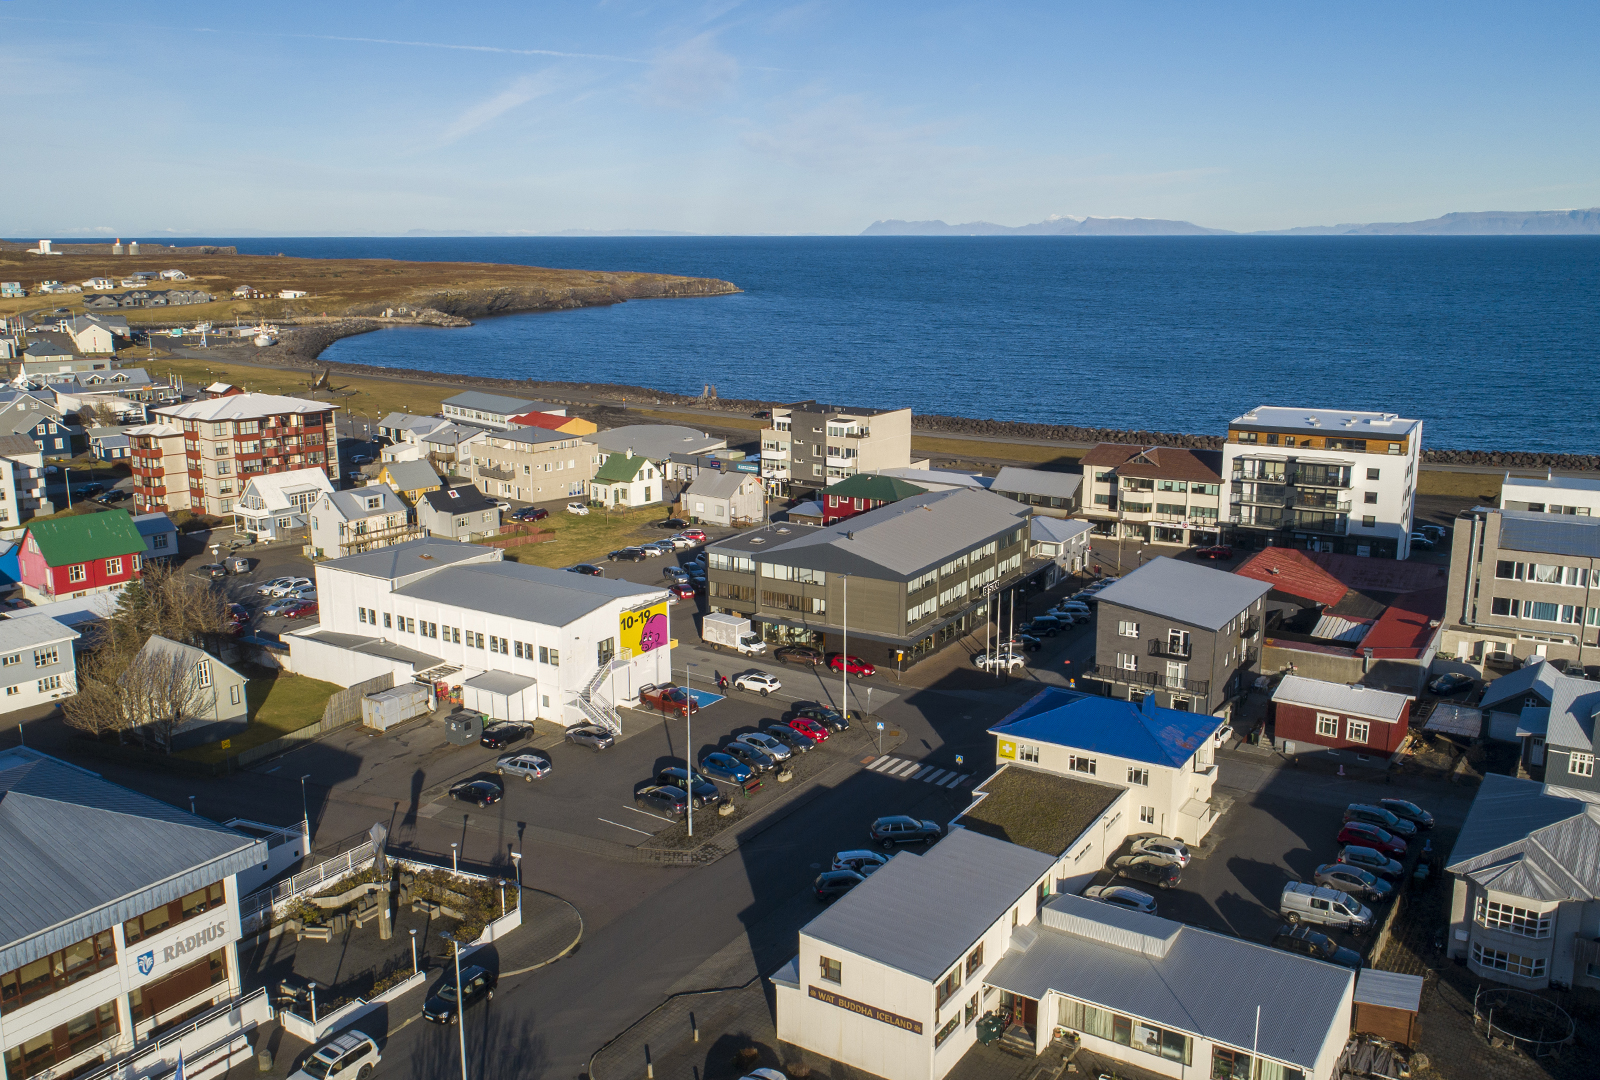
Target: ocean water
<point x="1493" y="341"/>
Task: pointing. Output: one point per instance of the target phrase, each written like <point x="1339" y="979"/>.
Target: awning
<point x="788" y="975"/>
<point x="1198" y="809"/>
<point x="503" y="683"/>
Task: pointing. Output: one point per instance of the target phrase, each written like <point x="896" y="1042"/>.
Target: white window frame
<point x="1357" y="731"/>
<point x="1580" y="764"/>
<point x="1125" y="628"/>
<point x="1328" y="725"/>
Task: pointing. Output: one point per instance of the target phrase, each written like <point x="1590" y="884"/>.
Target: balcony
<point x="1250" y="627"/>
<point x="354" y="542"/>
<point x="493" y="472"/>
<point x="1317" y="501"/>
<point x="1167" y="648"/>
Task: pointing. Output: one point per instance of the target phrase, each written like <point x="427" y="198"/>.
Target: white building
<point x="492" y="410"/>
<point x="274" y="504"/>
<point x="160" y="535"/>
<point x="1323" y="479"/>
<point x="118" y="916"/>
<point x="725" y="498"/>
<point x="627" y="480"/>
<point x="1552" y="495"/>
<point x="37" y="664"/>
<point x="523" y="642"/>
<point x="361" y="519"/>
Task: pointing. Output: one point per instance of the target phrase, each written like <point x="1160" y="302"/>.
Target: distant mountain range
<point x="1483" y="223"/>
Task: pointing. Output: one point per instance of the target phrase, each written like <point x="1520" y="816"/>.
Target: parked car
<point x="627" y="554"/>
<point x="705" y="792"/>
<point x="92" y="488"/>
<point x="773" y="748"/>
<point x="1359" y="832"/>
<point x="759" y="682"/>
<point x="587" y="569"/>
<point x="1006" y="661"/>
<point x="1123" y="896"/>
<point x="832" y="884"/>
<point x="655" y="548"/>
<point x="725" y="767"/>
<point x="810" y="728"/>
<point x="1224" y="733"/>
<point x="671" y="523"/>
<point x="270" y="588"/>
<point x="863" y="861"/>
<point x="676" y="573"/>
<point x="799" y="654"/>
<point x="528" y="764"/>
<point x="697" y="535"/>
<point x="1076" y="608"/>
<point x="1421" y="541"/>
<point x="795" y="739"/>
<point x="1377" y="815"/>
<point x="682" y="590"/>
<point x="498" y="736"/>
<point x="1355" y="881"/>
<point x="530" y="513"/>
<point x="1307" y="942"/>
<point x="300" y="609"/>
<point x="1216" y="551"/>
<point x="1043" y="626"/>
<point x="578" y="508"/>
<point x="279" y="607"/>
<point x="753" y="756"/>
<point x="672" y="802"/>
<point x="1025" y="642"/>
<point x="115" y="495"/>
<point x="854" y="665"/>
<point x="1165" y="847"/>
<point x="238" y="614"/>
<point x="593" y="736"/>
<point x="444" y="1006"/>
<point x="478" y="792"/>
<point x="214" y="570"/>
<point x="285" y="586"/>
<point x="901" y="829"/>
<point x="1408" y="811"/>
<point x="1154" y="869"/>
<point x="1370" y="859"/>
<point x="825" y="715"/>
<point x="1452" y="682"/>
<point x="1304" y="902"/>
<point x="667" y="697"/>
<point x="351" y="1055"/>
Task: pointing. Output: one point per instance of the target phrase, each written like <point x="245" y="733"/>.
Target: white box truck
<point x="731" y="632"/>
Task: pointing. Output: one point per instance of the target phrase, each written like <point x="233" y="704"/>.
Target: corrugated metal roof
<point x="1514" y="820"/>
<point x="79" y="854"/>
<point x="656" y="441"/>
<point x="1204" y="983"/>
<point x="921" y="913"/>
<point x="519" y="591"/>
<point x="1389" y="989"/>
<point x="274" y="489"/>
<point x="412" y="557"/>
<point x="243" y="407"/>
<point x="411" y="475"/>
<point x="1056" y="530"/>
<point x="1455" y="720"/>
<point x="1142" y="732"/>
<point x="1058" y="485"/>
<point x="503" y="683"/>
<point x="83" y="537"/>
<point x="621" y="468"/>
<point x="19" y="632"/>
<point x="876" y="487"/>
<point x="1354" y="700"/>
<point x="1339" y="628"/>
<point x="369" y="646"/>
<point x="711" y="484"/>
<point x="352" y="504"/>
<point x="491" y="403"/>
<point x="1550" y="534"/>
<point x="1573" y="701"/>
<point x="1189" y="593"/>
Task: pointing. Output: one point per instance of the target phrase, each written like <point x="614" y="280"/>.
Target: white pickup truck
<point x="731" y="632"/>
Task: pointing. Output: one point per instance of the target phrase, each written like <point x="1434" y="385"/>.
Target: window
<point x="970" y="1013"/>
<point x="1370" y="498"/>
<point x="1081" y="764"/>
<point x="386" y="620"/>
<point x="1327" y="726"/>
<point x="1529" y="967"/>
<point x="1500" y="605"/>
<point x="947" y="988"/>
<point x="78" y="572"/>
<point x="831" y="970"/>
<point x="549" y="656"/>
<point x="1580" y="764"/>
<point x="1139" y="776"/>
<point x="1497" y="916"/>
<point x="1372" y="474"/>
<point x="48" y="683"/>
<point x="12" y="691"/>
<point x="1369" y="521"/>
<point x="233" y="694"/>
<point x="1128" y="661"/>
<point x="202" y="673"/>
<point x="1356" y="730"/>
<point x="14" y="658"/>
<point x="157" y="919"/>
<point x="1147" y="815"/>
<point x="158" y="541"/>
<point x="975" y="960"/>
<point x="944" y="1032"/>
<point x="45" y="657"/>
<point x="1128" y="629"/>
<point x="1027" y="752"/>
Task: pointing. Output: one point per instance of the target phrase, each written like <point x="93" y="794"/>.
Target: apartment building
<point x="198" y="456"/>
<point x="810" y="446"/>
<point x="529" y="464"/>
<point x="1523" y="584"/>
<point x="1322" y="479"/>
<point x="1187" y="634"/>
<point x="361" y="519"/>
<point x="1567" y="495"/>
<point x="1153" y="494"/>
<point x="22" y="481"/>
<point x="492" y="410"/>
<point x="901" y="581"/>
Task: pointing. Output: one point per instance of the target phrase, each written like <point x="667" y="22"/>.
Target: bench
<point x="750" y="786"/>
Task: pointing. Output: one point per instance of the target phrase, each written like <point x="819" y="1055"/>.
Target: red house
<point x="1309" y="712"/>
<point x="74" y="556"/>
<point x="862" y="492"/>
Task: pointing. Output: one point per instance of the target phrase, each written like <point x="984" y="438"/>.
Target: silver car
<point x="764" y="742"/>
<point x="524" y="763"/>
<point x="1124" y="897"/>
<point x="1166" y="847"/>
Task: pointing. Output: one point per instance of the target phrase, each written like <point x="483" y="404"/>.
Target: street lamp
<point x="460" y="1023"/>
<point x="844" y="655"/>
<point x="305" y="807"/>
<point x="516" y="859"/>
<point x="414" y="968"/>
<point x="688" y="744"/>
<point x="455" y="864"/>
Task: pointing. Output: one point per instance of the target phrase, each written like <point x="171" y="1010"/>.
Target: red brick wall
<point x="1298" y="723"/>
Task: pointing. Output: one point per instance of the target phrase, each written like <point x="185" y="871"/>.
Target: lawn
<point x="279" y="703"/>
<point x="1484" y="486"/>
<point x="372" y="398"/>
<point x="569" y="538"/>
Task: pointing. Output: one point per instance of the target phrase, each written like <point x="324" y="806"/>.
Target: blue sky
<point x="809" y="117"/>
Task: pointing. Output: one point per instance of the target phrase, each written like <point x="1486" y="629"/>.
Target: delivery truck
<point x="731" y="632"/>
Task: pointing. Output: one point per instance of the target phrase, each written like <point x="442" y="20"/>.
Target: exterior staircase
<point x="597" y="710"/>
<point x="1017" y="1040"/>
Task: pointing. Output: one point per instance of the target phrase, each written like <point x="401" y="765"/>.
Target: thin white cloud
<point x="466" y="48"/>
<point x="522" y="90"/>
<point x="693" y="73"/>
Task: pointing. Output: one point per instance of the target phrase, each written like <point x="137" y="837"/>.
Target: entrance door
<point x="1536" y="751"/>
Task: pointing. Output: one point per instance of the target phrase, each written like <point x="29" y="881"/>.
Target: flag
<point x="178" y="1075"/>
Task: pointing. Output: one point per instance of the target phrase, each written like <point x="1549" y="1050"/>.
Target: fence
<point x="255" y="908"/>
<point x="160" y="1056"/>
<point x="345" y="706"/>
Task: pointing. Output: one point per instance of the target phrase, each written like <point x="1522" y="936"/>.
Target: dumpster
<point x="387" y="708"/>
<point x="463" y="727"/>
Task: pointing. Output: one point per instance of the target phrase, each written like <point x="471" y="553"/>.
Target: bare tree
<point x="98" y="414"/>
<point x="97" y="708"/>
<point x="164" y="686"/>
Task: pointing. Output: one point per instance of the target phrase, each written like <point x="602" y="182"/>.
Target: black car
<point x="798" y="741"/>
<point x="593" y="736"/>
<point x="672" y="523"/>
<point x="705" y="792"/>
<point x="1153" y="869"/>
<point x="832" y="884"/>
<point x="628" y="554"/>
<point x="1452" y="683"/>
<point x="93" y="488"/>
<point x="901" y="829"/>
<point x="530" y="513"/>
<point x="669" y="802"/>
<point x="1041" y="627"/>
<point x="1408" y="811"/>
<point x="753" y="756"/>
<point x="497" y="736"/>
<point x="478" y="792"/>
<point x="589" y="569"/>
<point x="826" y="715"/>
<point x="444" y="1005"/>
<point x="1025" y="642"/>
<point x="799" y="654"/>
<point x="1307" y="942"/>
<point x="115" y="495"/>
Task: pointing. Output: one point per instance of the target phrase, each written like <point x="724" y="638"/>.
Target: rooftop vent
<point x="754" y="540"/>
<point x="1313" y="421"/>
<point x="849" y="536"/>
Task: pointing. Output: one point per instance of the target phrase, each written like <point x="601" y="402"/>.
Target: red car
<point x="301" y="610"/>
<point x="666" y="697"/>
<point x="853" y="664"/>
<point x="1359" y="832"/>
<point x="809" y="728"/>
<point x="1220" y="551"/>
<point x="698" y="535"/>
<point x="682" y="590"/>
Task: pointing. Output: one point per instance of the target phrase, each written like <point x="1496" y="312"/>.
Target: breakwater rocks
<point x="599" y="290"/>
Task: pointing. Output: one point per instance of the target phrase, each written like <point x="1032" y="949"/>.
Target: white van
<point x="1302" y="902"/>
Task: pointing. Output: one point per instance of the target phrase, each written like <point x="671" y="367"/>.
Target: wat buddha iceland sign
<point x="881" y="1015"/>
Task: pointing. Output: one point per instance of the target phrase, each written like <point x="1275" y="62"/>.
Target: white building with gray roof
<point x="361" y="519"/>
<point x="523" y="642"/>
<point x="492" y="410"/>
<point x="1051" y="494"/>
<point x="37" y="664"/>
<point x="119" y="915"/>
<point x="658" y="442"/>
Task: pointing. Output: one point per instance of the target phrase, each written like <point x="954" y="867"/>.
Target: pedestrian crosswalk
<point x="906" y="769"/>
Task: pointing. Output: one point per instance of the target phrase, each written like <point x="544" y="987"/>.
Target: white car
<point x="759" y="681"/>
<point x="577" y="508"/>
<point x="862" y="861"/>
<point x="1123" y="897"/>
<point x="303" y="592"/>
<point x="1008" y="661"/>
<point x="289" y="585"/>
<point x="1163" y="846"/>
<point x="680" y="541"/>
<point x="762" y="741"/>
<point x="524" y="763"/>
<point x="1224" y="733"/>
<point x="353" y="1055"/>
<point x="502" y="506"/>
<point x="266" y="587"/>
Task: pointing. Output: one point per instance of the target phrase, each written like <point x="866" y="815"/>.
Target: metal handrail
<point x="1159" y="647"/>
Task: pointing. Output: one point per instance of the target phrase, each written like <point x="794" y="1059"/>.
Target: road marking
<point x="647" y="813"/>
<point x="955" y="781"/>
<point x="905" y="769"/>
<point x="922" y="774"/>
<point x="630" y="828"/>
<point x="882" y="762"/>
<point x="938" y="777"/>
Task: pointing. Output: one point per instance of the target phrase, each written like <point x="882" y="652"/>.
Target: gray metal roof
<point x="1389" y="989"/>
<point x="1059" y="485"/>
<point x="156" y="645"/>
<point x="530" y="435"/>
<point x="921" y="913"/>
<point x="79" y="854"/>
<point x="656" y="441"/>
<point x="1573" y="702"/>
<point x="1521" y="836"/>
<point x="497" y="404"/>
<point x="352" y="504"/>
<point x="1056" y="530"/>
<point x="412" y="557"/>
<point x="411" y="475"/>
<point x="369" y="646"/>
<point x="19" y="631"/>
<point x="1187" y="592"/>
<point x="503" y="683"/>
<point x="1179" y="977"/>
<point x="1550" y="534"/>
<point x="711" y="484"/>
<point x="530" y="593"/>
<point x="1352" y="699"/>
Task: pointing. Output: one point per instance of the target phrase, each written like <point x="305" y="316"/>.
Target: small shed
<point x="1386" y="1005"/>
<point x="1457" y="720"/>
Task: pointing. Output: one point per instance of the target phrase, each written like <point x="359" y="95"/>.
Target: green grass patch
<point x="279" y="703"/>
<point x="1484" y="486"/>
<point x="571" y="538"/>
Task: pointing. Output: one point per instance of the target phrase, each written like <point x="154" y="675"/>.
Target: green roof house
<point x="627" y="480"/>
<point x="74" y="556"/>
<point x="862" y="492"/>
